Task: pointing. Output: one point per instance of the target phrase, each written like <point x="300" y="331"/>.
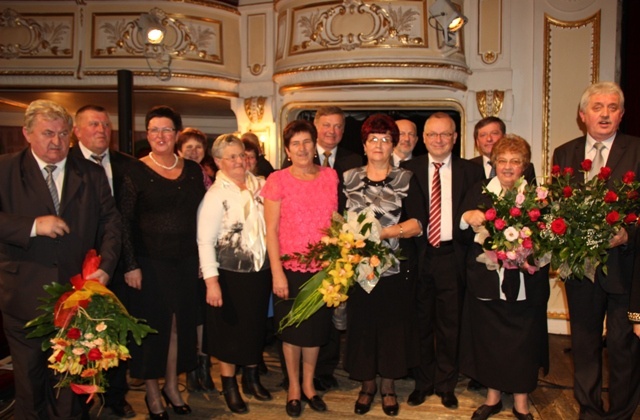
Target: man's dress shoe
<point x="418" y="396"/>
<point x="448" y="399"/>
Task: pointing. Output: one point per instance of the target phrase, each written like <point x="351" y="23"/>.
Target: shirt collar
<point x="41" y="163"/>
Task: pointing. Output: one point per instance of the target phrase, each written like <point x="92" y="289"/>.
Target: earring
<point x="315" y="155"/>
<point x="288" y="158"/>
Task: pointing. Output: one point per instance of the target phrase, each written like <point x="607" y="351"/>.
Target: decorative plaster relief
<point x="490" y="102"/>
<point x="256" y="43"/>
<point x="193" y="38"/>
<point x="355" y="24"/>
<point x="571" y="5"/>
<point x="40" y="36"/>
<point x="254" y="108"/>
<point x="490" y="30"/>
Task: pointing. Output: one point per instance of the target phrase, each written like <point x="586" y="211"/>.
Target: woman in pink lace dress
<point x="298" y="205"/>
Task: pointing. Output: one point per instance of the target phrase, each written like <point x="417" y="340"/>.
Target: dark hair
<point x="250" y="146"/>
<point x="298" y="126"/>
<point x="485" y="122"/>
<point x="380" y="124"/>
<point x="191" y="133"/>
<point x="163" y="111"/>
<point x="512" y="143"/>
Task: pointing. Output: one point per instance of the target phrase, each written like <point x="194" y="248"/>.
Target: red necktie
<point x="435" y="208"/>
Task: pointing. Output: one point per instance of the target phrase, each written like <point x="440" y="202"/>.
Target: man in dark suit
<point x="329" y="122"/>
<point x="486" y="133"/>
<point x="407" y="142"/>
<point x="601" y="110"/>
<point x="54" y="208"/>
<point x="93" y="132"/>
<point x="441" y="280"/>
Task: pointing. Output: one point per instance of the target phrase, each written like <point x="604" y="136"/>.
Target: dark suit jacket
<point x="529" y="172"/>
<point x="86" y="205"/>
<point x="624" y="156"/>
<point x="464" y="174"/>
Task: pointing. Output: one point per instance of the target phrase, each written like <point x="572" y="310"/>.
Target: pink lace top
<point x="305" y="209"/>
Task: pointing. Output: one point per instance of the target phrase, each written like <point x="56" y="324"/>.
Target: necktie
<point x="492" y="172"/>
<point x="327" y="155"/>
<point x="435" y="207"/>
<point x="52" y="187"/>
<point x="598" y="160"/>
<point x="98" y="159"/>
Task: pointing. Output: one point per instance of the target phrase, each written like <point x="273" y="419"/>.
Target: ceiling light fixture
<point x="151" y="28"/>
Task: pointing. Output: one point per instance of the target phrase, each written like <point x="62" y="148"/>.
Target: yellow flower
<point x="341" y="273"/>
<point x="346" y="239"/>
<point x="331" y="293"/>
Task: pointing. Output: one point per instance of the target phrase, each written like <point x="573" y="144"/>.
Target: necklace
<point x="168" y="168"/>
<point x="376" y="200"/>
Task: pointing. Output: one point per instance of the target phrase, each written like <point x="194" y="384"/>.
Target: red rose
<point x="555" y="170"/>
<point x="74" y="333"/>
<point x="610" y="197"/>
<point x="629" y="177"/>
<point x="558" y="226"/>
<point x="501" y="255"/>
<point x="567" y="171"/>
<point x="500" y="224"/>
<point x="605" y="173"/>
<point x="94" y="354"/>
<point x="630" y="218"/>
<point x="632" y="195"/>
<point x="527" y="243"/>
<point x="534" y="214"/>
<point x="567" y="191"/>
<point x="586" y="165"/>
<point x="542" y="226"/>
<point x="490" y="214"/>
<point x="612" y="217"/>
<point x="83" y="359"/>
<point x="515" y="212"/>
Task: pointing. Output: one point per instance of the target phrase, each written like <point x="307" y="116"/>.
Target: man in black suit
<point x="54" y="208"/>
<point x="406" y="143"/>
<point x="486" y="133"/>
<point x="329" y="122"/>
<point x="441" y="280"/>
<point x="601" y="110"/>
<point x="93" y="132"/>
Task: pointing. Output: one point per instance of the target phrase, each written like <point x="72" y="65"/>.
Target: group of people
<point x="200" y="259"/>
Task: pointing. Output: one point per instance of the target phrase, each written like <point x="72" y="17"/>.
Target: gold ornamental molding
<point x="368" y="25"/>
<point x="50" y="35"/>
<point x="489" y="30"/>
<point x="489" y="102"/>
<point x="551" y="24"/>
<point x="344" y="66"/>
<point x="368" y="82"/>
<point x="254" y="108"/>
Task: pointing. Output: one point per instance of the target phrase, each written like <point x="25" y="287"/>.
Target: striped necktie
<point x="98" y="158"/>
<point x="53" y="190"/>
<point x="435" y="208"/>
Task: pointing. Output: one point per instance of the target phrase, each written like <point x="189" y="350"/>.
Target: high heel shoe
<point x="178" y="409"/>
<point x="155" y="416"/>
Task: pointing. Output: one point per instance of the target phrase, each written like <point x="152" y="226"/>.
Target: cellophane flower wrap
<point x="510" y="236"/>
<point x="350" y="251"/>
<point x="585" y="217"/>
<point x="86" y="327"/>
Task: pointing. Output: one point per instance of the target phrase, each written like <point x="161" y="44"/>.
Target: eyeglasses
<point x="241" y="156"/>
<point x="444" y="136"/>
<point x="512" y="162"/>
<point x="377" y="140"/>
<point x="166" y="131"/>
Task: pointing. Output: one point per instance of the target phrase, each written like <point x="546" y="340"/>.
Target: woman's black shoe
<point x="363" y="408"/>
<point x="294" y="408"/>
<point x="521" y="416"/>
<point x="155" y="416"/>
<point x="393" y="409"/>
<point x="178" y="409"/>
<point x="315" y="403"/>
<point x="485" y="411"/>
<point x="232" y="395"/>
<point x="251" y="384"/>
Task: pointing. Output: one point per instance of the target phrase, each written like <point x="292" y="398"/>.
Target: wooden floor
<point x="553" y="399"/>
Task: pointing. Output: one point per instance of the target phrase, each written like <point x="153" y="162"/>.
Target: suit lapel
<point x="33" y="179"/>
<point x="72" y="182"/>
<point x="617" y="156"/>
<point x="457" y="181"/>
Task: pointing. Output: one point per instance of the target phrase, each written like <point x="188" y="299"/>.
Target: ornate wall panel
<point x="489" y="30"/>
<point x="256" y="43"/>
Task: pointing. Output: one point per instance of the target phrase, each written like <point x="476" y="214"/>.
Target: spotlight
<point x="446" y="16"/>
<point x="152" y="28"/>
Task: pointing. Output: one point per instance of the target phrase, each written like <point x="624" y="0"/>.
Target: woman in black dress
<point x="504" y="339"/>
<point x="159" y="202"/>
<point x="380" y="337"/>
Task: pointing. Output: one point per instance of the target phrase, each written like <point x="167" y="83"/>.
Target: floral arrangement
<point x="584" y="218"/>
<point x="510" y="236"/>
<point x="350" y="251"/>
<point x="87" y="328"/>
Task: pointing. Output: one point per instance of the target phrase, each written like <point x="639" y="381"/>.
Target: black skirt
<point x="235" y="332"/>
<point x="313" y="332"/>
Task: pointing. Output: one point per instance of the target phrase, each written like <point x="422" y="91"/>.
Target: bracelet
<point x="401" y="235"/>
<point x="633" y="316"/>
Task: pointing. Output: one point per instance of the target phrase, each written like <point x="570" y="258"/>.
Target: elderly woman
<point x="159" y="201"/>
<point x="192" y="145"/>
<point x="299" y="202"/>
<point x="260" y="166"/>
<point x="380" y="339"/>
<point x="504" y="326"/>
<point x="232" y="248"/>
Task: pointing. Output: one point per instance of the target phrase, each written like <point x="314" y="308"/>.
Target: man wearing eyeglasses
<point x="486" y="133"/>
<point x="444" y="179"/>
<point x="54" y="208"/>
<point x="406" y="143"/>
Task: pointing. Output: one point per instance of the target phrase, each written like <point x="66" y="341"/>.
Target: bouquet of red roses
<point x="87" y="327"/>
<point x="585" y="217"/>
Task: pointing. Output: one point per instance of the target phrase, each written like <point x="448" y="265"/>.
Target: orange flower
<point x="374" y="261"/>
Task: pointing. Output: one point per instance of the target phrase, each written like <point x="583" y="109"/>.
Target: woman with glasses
<point x="380" y="338"/>
<point x="159" y="201"/>
<point x="504" y="339"/>
<point x="233" y="260"/>
<point x="299" y="202"/>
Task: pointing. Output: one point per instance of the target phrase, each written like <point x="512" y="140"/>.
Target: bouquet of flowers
<point x="87" y="328"/>
<point x="350" y="251"/>
<point x="510" y="236"/>
<point x="583" y="219"/>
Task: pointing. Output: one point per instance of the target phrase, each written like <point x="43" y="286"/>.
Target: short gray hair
<point x="49" y="110"/>
<point x="601" y="88"/>
<point x="222" y="142"/>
